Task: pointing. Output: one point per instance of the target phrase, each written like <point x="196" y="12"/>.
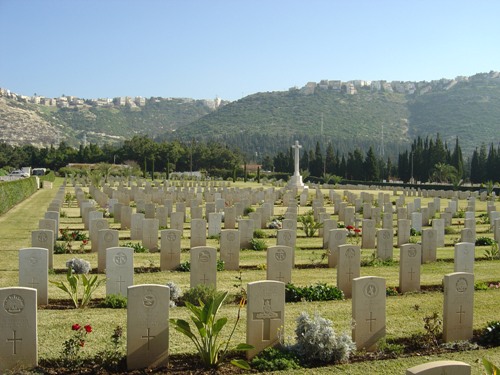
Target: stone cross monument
<point x="296" y="180"/>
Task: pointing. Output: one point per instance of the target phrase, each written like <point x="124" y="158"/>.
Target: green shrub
<point x="138" y="248"/>
<point x="247" y="210"/>
<point x="14" y="192"/>
<point x="309" y="225"/>
<point x="450" y="230"/>
<point x="114" y="301"/>
<point x="492" y="253"/>
<point x="186" y="266"/>
<point x="480" y="286"/>
<point x="258" y="244"/>
<point x="200" y="292"/>
<point x="318" y="342"/>
<point x="391" y="291"/>
<point x="259" y="233"/>
<point x="316" y="292"/>
<point x="275" y="359"/>
<point x="211" y="349"/>
<point x="484" y="241"/>
<point x="490" y="336"/>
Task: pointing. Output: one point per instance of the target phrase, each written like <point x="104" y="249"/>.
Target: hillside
<point x="469" y="109"/>
<point x="41" y="125"/>
<point x="385" y="115"/>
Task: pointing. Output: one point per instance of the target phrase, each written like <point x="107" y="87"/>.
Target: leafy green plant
<point x="114" y="301"/>
<point x="258" y="244"/>
<point x="316" y="341"/>
<point x="391" y="291"/>
<point x="493" y="252"/>
<point x="490" y="336"/>
<point x="490" y="368"/>
<point x="199" y="293"/>
<point x="113" y="355"/>
<point x="387" y="346"/>
<point x="484" y="241"/>
<point x="259" y="233"/>
<point x="275" y="359"/>
<point x="73" y="346"/>
<point x="211" y="350"/>
<point x="309" y="225"/>
<point x="432" y="326"/>
<point x="137" y="246"/>
<point x="72" y="286"/>
<point x="480" y="286"/>
<point x="316" y="292"/>
<point x="186" y="266"/>
<point x="247" y="210"/>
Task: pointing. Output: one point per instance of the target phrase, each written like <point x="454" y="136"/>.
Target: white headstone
<point x="147" y="326"/>
<point x="119" y="270"/>
<point x="170" y="245"/>
<point x="203" y="266"/>
<point x="18" y="330"/>
<point x="34" y="272"/>
<point x="265" y="315"/>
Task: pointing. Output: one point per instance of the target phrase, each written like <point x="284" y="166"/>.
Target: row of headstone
<point x="148" y="312"/>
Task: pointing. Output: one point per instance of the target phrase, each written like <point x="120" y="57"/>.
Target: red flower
<point x="76" y="327"/>
<point x="85" y="242"/>
<point x="357" y="230"/>
<point x="349" y="227"/>
<point x="88" y="328"/>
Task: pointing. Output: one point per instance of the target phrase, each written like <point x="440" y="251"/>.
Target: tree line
<point x="426" y="160"/>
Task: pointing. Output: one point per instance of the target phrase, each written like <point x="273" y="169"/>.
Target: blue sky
<point x="233" y="48"/>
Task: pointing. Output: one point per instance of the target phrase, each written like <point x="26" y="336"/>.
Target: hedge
<point x="14" y="192"/>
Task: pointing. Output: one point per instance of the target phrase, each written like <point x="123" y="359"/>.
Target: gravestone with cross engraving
<point x="214" y="223"/>
<point x="33" y="271"/>
<point x="230" y="217"/>
<point x="464" y="257"/>
<point x="429" y="245"/>
<point x="404" y="226"/>
<point x="203" y="266"/>
<point x="368" y="311"/>
<point x="177" y="220"/>
<point x="95" y="226"/>
<point x="198" y="233"/>
<point x="245" y="227"/>
<point x="409" y="267"/>
<point x="48" y="224"/>
<point x="119" y="270"/>
<point x="150" y="229"/>
<point x="18" y="329"/>
<point x="287" y="237"/>
<point x="106" y="238"/>
<point x="279" y="263"/>
<point x="467" y="235"/>
<point x="328" y="225"/>
<point x="44" y="238"/>
<point x="147" y="326"/>
<point x="440" y="368"/>
<point x="385" y="239"/>
<point x="265" y="315"/>
<point x="348" y="267"/>
<point x="458" y="306"/>
<point x="438" y="225"/>
<point x="368" y="234"/>
<point x="230" y="249"/>
<point x="170" y="248"/>
<point x="126" y="217"/>
<point x="136" y="226"/>
<point x="337" y="237"/>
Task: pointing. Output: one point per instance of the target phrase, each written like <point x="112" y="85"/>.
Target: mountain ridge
<point x="384" y="115"/>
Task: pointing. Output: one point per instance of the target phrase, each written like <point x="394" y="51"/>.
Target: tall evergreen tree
<point x="371" y="168"/>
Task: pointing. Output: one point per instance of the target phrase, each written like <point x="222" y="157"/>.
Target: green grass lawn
<point x="405" y="313"/>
